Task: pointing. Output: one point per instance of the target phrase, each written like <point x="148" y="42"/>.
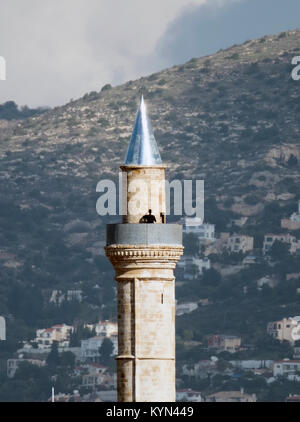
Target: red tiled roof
<point x="293" y="398"/>
<point x="97" y="365"/>
<point x="96" y="337"/>
<point x="188" y="390"/>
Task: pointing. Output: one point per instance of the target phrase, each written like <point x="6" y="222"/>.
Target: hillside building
<point x="97" y="375"/>
<point x="231" y="396"/>
<point x="13" y="365"/>
<point x="285" y="329"/>
<point x="270" y="239"/>
<point x="286" y="367"/>
<point x="188" y="395"/>
<point x="104" y="328"/>
<point x="2" y="328"/>
<point x="60" y="333"/>
<point x="90" y="348"/>
<point x="240" y="243"/>
<point x="201" y="369"/>
<point x="204" y="231"/>
<point x="224" y="343"/>
<point x="292" y="223"/>
<point x="186" y="308"/>
<point x="190" y="267"/>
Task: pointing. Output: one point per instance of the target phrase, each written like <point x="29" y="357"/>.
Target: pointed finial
<point x="143" y="149"/>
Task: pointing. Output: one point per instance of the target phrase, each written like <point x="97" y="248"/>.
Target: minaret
<point x="144" y="257"/>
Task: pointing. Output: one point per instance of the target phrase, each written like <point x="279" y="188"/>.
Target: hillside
<point x="230" y="119"/>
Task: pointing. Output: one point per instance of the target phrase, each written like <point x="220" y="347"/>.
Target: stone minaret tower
<point x="144" y="257"/>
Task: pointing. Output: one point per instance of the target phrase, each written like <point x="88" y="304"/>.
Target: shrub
<point x="106" y="87"/>
<point x="282" y="35"/>
<point x="251" y="200"/>
<point x="234" y="56"/>
<point x="103" y="122"/>
<point x="161" y="82"/>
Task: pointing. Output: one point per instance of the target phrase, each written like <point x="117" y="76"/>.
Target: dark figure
<point x="148" y="218"/>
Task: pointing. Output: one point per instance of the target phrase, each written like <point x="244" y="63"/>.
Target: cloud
<point x="60" y="49"/>
<point x="204" y="29"/>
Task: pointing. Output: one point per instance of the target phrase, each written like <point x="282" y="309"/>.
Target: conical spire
<point x="143" y="149"/>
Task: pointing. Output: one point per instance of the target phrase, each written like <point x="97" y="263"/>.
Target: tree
<point x="292" y="161"/>
<point x="279" y="250"/>
<point x="106" y="87"/>
<point x="67" y="359"/>
<point x="30" y="383"/>
<point x="212" y="277"/>
<point x="25" y="302"/>
<point x="106" y="350"/>
<point x="80" y="333"/>
<point x="222" y="365"/>
<point x="188" y="335"/>
<point x="53" y="357"/>
<point x="191" y="244"/>
<point x="102" y="264"/>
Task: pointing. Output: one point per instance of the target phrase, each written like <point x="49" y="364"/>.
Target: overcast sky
<point x="60" y="49"/>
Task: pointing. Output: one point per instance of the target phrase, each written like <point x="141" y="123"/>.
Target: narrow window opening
<point x="162" y="298"/>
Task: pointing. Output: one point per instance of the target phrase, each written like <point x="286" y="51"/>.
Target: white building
<point x="97" y="375"/>
<point x="268" y="280"/>
<point x="186" y="308"/>
<point x="231" y="396"/>
<point x="296" y="352"/>
<point x="13" y="364"/>
<point x="240" y="243"/>
<point x="239" y="222"/>
<point x="60" y="333"/>
<point x="42" y="353"/>
<point x="188" y="395"/>
<point x="89" y="351"/>
<point x="191" y="266"/>
<point x="295" y="217"/>
<point x="270" y="239"/>
<point x="107" y="395"/>
<point x="285" y="329"/>
<point x="104" y="328"/>
<point x="252" y="364"/>
<point x="286" y="367"/>
<point x="292" y="223"/>
<point x="204" y="231"/>
<point x="250" y="259"/>
<point x="2" y="328"/>
<point x="201" y="369"/>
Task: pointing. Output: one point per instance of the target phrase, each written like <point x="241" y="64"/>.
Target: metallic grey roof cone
<point x="143" y="149"/>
